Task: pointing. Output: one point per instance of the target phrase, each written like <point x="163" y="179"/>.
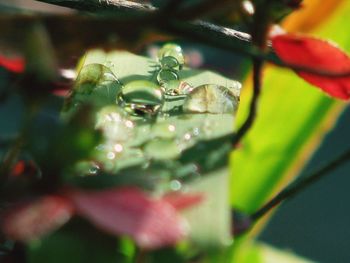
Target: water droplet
<point x="165" y="75"/>
<point x="177" y="87"/>
<point x="118" y="148"/>
<point x="93" y="76"/>
<point x="162" y="149"/>
<point x="196" y="131"/>
<point x="172" y="50"/>
<point x="94" y="169"/>
<point x="141" y="97"/>
<point x="111" y="155"/>
<point x="175" y="185"/>
<point x="187" y="136"/>
<point x="211" y="98"/>
<point x="163" y="130"/>
<point x="85" y="168"/>
<point x="170" y="62"/>
<point x="248" y="7"/>
<point x="114" y="125"/>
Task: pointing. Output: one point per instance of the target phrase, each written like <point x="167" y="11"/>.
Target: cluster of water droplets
<point x="154" y="121"/>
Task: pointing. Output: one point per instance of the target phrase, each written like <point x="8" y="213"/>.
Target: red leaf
<point x="15" y="65"/>
<point x="152" y="223"/>
<point x="18" y="169"/>
<point x="22" y="167"/>
<point x="33" y="219"/>
<point x="181" y="201"/>
<point x="317" y="54"/>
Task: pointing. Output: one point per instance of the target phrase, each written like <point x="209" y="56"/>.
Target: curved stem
<point x="257" y="72"/>
<point x="299" y="185"/>
<point x="199" y="30"/>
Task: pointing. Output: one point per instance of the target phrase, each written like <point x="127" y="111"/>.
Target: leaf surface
<point x="152" y="223"/>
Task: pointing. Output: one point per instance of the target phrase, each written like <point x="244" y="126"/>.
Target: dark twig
<point x="205" y="32"/>
<point x="299" y="185"/>
<point x="259" y="38"/>
<point x="108" y="6"/>
<point x="257" y="71"/>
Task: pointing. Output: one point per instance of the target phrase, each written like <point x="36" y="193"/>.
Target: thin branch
<point x="108" y="6"/>
<point x="257" y="72"/>
<point x="202" y="31"/>
<point x="301" y="184"/>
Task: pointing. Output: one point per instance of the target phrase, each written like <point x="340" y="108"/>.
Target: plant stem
<point x="257" y="72"/>
<point x="259" y="29"/>
<point x="299" y="185"/>
<point x="101" y="5"/>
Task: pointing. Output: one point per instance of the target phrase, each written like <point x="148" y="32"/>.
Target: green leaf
<point x="263" y="253"/>
<point x="292" y="120"/>
<point x="210" y="221"/>
<point x="80" y="244"/>
<point x="175" y="146"/>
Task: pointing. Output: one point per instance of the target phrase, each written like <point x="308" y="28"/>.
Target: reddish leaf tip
<point x="15" y="65"/>
<point x="317" y="54"/>
<point x="152" y="223"/>
<point x="34" y="219"/>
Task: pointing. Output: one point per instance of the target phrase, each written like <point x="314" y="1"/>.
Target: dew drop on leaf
<point x="175" y="185"/>
<point x="92" y="76"/>
<point x="172" y="50"/>
<point x="94" y="169"/>
<point x="141" y="97"/>
<point x="211" y="98"/>
<point x="177" y="87"/>
<point x="165" y="75"/>
<point x="170" y="62"/>
<point x="114" y="125"/>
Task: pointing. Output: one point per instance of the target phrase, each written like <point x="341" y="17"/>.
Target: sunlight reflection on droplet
<point x="111" y="155"/>
<point x="129" y="124"/>
<point x="118" y="148"/>
<point x="196" y="131"/>
<point x="248" y="7"/>
<point x="187" y="136"/>
<point x="175" y="185"/>
<point x="68" y="73"/>
<point x="94" y="169"/>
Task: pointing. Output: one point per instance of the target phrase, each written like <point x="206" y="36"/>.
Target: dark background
<point x="316" y="223"/>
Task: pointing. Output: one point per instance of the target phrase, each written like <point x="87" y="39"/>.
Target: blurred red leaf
<point x="15" y="65"/>
<point x="181" y="201"/>
<point x="29" y="168"/>
<point x="36" y="218"/>
<point x="152" y="223"/>
<point x="18" y="169"/>
<point x="317" y="54"/>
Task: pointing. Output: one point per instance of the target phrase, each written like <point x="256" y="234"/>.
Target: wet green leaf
<point x="263" y="253"/>
<point x="169" y="145"/>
